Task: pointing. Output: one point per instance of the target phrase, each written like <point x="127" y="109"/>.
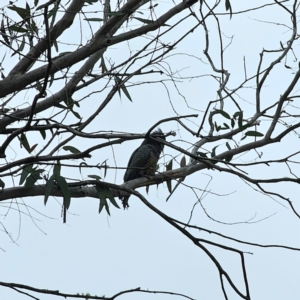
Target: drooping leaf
<point x="56" y="170"/>
<point x="32" y="178"/>
<point x="43" y="133"/>
<point x="63" y="185"/>
<point x="228" y="7"/>
<point x="25" y="172"/>
<point x="48" y="188"/>
<point x="82" y="164"/>
<point x="24" y="142"/>
<point x="102" y="196"/>
<point x="228" y="146"/>
<point x="169" y="182"/>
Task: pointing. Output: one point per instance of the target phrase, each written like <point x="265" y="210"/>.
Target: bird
<point x="143" y="161"/>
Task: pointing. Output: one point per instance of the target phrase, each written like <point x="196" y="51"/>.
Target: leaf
<point x="110" y="196"/>
<point x="95" y="177"/>
<point x="213" y="152"/>
<point x="2" y="184"/>
<point x="18" y="29"/>
<point x="144" y="20"/>
<point x="76" y="114"/>
<point x="183" y="162"/>
<point x="115" y="13"/>
<point x="228" y="158"/>
<point x="232" y="123"/>
<point x="102" y="196"/>
<point x="228" y="7"/>
<point x="228" y="146"/>
<point x="22" y="45"/>
<point x="26" y="171"/>
<point x="169" y="167"/>
<point x="93" y="19"/>
<point x="48" y="188"/>
<point x="71" y="149"/>
<point x="82" y="164"/>
<point x="22" y="12"/>
<point x="33" y="147"/>
<point x="125" y="91"/>
<point x="202" y="154"/>
<point x="239" y="114"/>
<point x="223" y="113"/>
<point x="56" y="170"/>
<point x="3" y="33"/>
<point x="33" y="177"/>
<point x="24" y="142"/>
<point x="253" y="133"/>
<point x="43" y="133"/>
<point x="62" y="183"/>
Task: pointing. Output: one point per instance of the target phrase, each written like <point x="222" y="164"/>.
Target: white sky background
<point x="104" y="255"/>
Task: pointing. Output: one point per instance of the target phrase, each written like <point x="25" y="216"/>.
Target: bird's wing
<point x="138" y="162"/>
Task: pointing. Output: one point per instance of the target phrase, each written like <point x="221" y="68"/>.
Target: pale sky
<point x="103" y="255"/>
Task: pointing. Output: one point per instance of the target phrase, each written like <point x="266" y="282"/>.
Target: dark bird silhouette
<point x="143" y="161"/>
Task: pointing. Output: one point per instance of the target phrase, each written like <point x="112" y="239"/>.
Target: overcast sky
<point x="104" y="255"/>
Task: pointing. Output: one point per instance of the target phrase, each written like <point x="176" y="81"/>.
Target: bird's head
<point x="156" y="134"/>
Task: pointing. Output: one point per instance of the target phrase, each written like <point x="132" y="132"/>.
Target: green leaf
<point x="253" y="133"/>
<point x="95" y="177"/>
<point x="239" y="115"/>
<point x="169" y="167"/>
<point x="93" y="19"/>
<point x="18" y="29"/>
<point x="228" y="146"/>
<point x="202" y="154"/>
<point x="110" y="196"/>
<point x="43" y="133"/>
<point x="2" y="184"/>
<point x="143" y="20"/>
<point x="22" y="45"/>
<point x="33" y="177"/>
<point x="115" y="13"/>
<point x="62" y="183"/>
<point x="213" y="152"/>
<point x="48" y="188"/>
<point x="71" y="149"/>
<point x="25" y="172"/>
<point x="125" y="91"/>
<point x="22" y="12"/>
<point x="24" y="142"/>
<point x="183" y="162"/>
<point x="82" y="164"/>
<point x="232" y="123"/>
<point x="56" y="170"/>
<point x="223" y="113"/>
<point x="228" y="158"/>
<point x="228" y="7"/>
<point x="102" y="196"/>
<point x="3" y="33"/>
<point x="36" y="2"/>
